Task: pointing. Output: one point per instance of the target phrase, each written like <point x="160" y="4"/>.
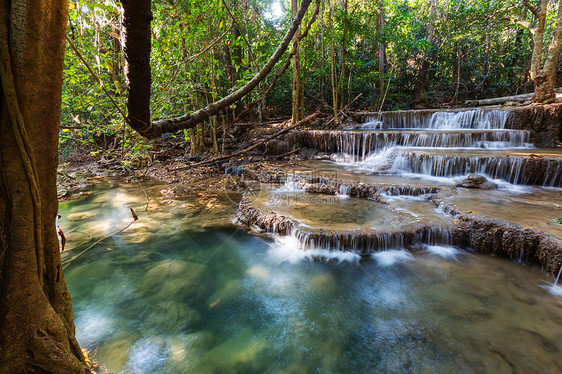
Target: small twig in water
<point x="135" y="218"/>
<point x="134" y="175"/>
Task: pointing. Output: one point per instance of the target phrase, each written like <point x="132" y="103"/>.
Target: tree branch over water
<point x="137" y="118"/>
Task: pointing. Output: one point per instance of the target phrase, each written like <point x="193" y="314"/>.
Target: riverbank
<point x="512" y="212"/>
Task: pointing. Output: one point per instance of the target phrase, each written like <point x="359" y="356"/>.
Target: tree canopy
<point x="399" y="54"/>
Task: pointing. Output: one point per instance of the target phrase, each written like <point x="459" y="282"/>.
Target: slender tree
<point x="381" y="52"/>
<point x="420" y="100"/>
<point x="296" y="96"/>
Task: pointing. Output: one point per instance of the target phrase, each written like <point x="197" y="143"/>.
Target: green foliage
<point x="472" y="37"/>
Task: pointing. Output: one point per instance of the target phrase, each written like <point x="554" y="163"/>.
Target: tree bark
<point x="35" y="312"/>
<point x="136" y="21"/>
<point x="544" y="76"/>
<point x="545" y="81"/>
<point x="172" y="125"/>
<point x="296" y="97"/>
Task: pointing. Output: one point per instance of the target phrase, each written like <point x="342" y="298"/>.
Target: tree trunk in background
<point x="296" y="92"/>
<point x="323" y="49"/>
<point x="544" y="76"/>
<point x="136" y="21"/>
<point x="457" y="76"/>
<point x="333" y="63"/>
<point x="35" y="309"/>
<point x="420" y="101"/>
<point x="545" y="81"/>
<point x="114" y="68"/>
<point x="237" y="59"/>
<point x="343" y="54"/>
<point x="538" y="38"/>
<point x="381" y="52"/>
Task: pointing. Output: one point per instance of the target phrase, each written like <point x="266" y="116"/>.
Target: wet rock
<point x="173" y="278"/>
<point x="115" y="354"/>
<point x="266" y="221"/>
<point x="308" y="151"/>
<point x="544" y="120"/>
<point x="367" y="242"/>
<point x="171" y="315"/>
<point x="276" y="147"/>
<point x="80" y="216"/>
<point x="504" y="238"/>
<point x="477" y="181"/>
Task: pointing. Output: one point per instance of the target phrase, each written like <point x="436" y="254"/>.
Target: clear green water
<point x="146" y="300"/>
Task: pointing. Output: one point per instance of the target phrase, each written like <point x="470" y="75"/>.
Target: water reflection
<point x="185" y="292"/>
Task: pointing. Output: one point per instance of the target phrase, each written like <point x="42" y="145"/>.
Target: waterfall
<point x="440" y="144"/>
<point x="476" y="119"/>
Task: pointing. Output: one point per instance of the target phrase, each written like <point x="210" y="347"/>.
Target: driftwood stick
<point x="346" y="108"/>
<point x="254" y="146"/>
<point x="287" y="153"/>
<point x="343" y="110"/>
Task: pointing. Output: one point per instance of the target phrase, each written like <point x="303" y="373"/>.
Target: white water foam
<point x="290" y="185"/>
<point x="518" y="189"/>
<point x="147" y="355"/>
<point x="553" y="289"/>
<point x="392" y="257"/>
<point x="450" y="253"/>
<point x="289" y="249"/>
<point x="94" y="326"/>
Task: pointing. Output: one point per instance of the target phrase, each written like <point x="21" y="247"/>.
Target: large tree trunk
<point x="545" y="81"/>
<point x="136" y="21"/>
<point x="544" y="76"/>
<point x="35" y="311"/>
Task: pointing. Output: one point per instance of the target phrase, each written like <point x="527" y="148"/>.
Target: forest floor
<point x="78" y="171"/>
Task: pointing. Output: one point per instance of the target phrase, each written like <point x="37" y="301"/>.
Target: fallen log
<point x="503" y="100"/>
<point x="253" y="146"/>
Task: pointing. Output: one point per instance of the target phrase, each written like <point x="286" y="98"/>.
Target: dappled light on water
<point x="198" y="295"/>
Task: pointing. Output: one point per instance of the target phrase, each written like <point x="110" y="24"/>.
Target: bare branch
<point x="191" y="120"/>
<point x="210" y="45"/>
<point x="524" y="24"/>
<point x="531" y="8"/>
<point x="253" y="146"/>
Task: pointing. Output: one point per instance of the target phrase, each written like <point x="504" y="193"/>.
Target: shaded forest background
<point x="399" y="54"/>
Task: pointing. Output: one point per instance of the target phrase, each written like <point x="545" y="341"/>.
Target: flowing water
<point x="185" y="291"/>
<point x="440" y="146"/>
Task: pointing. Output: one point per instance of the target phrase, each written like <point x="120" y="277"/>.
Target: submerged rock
<point x="477" y="181"/>
<point x="173" y="278"/>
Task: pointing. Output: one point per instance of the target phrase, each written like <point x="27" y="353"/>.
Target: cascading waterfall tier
<point x="476" y="119"/>
<point x="356" y="145"/>
<point x="440" y="144"/>
<point x="517" y="170"/>
<point x="360" y="241"/>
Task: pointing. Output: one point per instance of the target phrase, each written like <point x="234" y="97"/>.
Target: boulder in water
<point x="477" y="181"/>
<point x="277" y="147"/>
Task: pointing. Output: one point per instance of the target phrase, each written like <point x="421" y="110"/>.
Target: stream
<point x="344" y="266"/>
<point x="185" y="291"/>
